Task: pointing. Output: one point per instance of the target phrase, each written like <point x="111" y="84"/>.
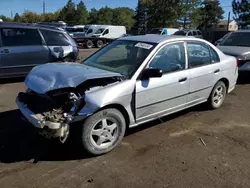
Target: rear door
<point x="21" y="50"/>
<point x="204" y="71"/>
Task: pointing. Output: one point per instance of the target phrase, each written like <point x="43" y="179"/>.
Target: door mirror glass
<point x="151" y="73"/>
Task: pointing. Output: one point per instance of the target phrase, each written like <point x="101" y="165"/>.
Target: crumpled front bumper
<point x="36" y="120"/>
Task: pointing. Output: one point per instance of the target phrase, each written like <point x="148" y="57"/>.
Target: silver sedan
<point x="131" y="81"/>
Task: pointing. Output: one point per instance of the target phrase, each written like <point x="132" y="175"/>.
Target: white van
<point x="91" y="29"/>
<point x="163" y="31"/>
<point x="110" y="32"/>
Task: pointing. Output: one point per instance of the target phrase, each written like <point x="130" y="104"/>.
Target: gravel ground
<point x="193" y="148"/>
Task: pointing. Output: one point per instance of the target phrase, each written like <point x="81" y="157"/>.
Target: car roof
<point x="29" y="26"/>
<point x="151" y="38"/>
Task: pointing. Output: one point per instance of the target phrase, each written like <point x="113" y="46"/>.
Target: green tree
<point x="68" y="13"/>
<point x="51" y="17"/>
<point x="5" y="18"/>
<point x="123" y="16"/>
<point x="105" y="16"/>
<point x="93" y="16"/>
<point x="17" y="18"/>
<point x="31" y="17"/>
<point x="81" y="16"/>
<point x="164" y="13"/>
<point x="208" y="14"/>
<point x="241" y="10"/>
<point x="141" y="16"/>
<point x="187" y="12"/>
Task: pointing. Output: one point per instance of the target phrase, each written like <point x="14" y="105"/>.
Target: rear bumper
<point x="36" y="120"/>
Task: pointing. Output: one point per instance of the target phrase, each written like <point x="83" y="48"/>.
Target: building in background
<point x="223" y="24"/>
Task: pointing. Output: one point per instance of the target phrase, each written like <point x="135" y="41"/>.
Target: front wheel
<point x="218" y="95"/>
<point x="103" y="131"/>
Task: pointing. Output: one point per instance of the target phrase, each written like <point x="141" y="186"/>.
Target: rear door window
<point x="190" y="33"/>
<point x="194" y="33"/>
<point x="20" y="37"/>
<point x="198" y="54"/>
<point x="54" y="38"/>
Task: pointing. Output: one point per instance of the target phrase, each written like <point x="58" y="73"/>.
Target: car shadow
<point x="19" y="141"/>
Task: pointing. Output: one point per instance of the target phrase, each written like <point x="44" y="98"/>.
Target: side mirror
<point x="151" y="73"/>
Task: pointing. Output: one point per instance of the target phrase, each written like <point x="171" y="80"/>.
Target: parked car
<point x="75" y="30"/>
<point x="221" y="39"/>
<point x="163" y="31"/>
<point x="237" y="44"/>
<point x="194" y="33"/>
<point x="23" y="46"/>
<point x="131" y="81"/>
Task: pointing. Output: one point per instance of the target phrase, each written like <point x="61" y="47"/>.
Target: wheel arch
<point x="120" y="108"/>
<point x="225" y="81"/>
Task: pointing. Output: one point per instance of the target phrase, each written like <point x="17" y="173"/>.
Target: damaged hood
<point x="52" y="76"/>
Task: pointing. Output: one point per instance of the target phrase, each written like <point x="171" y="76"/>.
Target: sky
<point x="19" y="6"/>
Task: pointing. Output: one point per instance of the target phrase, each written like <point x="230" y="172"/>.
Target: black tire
<point x="92" y="121"/>
<point x="211" y="103"/>
<point x="89" y="44"/>
<point x="99" y="44"/>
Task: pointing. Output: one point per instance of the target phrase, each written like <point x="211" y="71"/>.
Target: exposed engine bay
<point x="59" y="107"/>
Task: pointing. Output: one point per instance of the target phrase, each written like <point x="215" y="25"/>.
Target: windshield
<point x="155" y="31"/>
<point x="237" y="39"/>
<point x="99" y="31"/>
<point x="86" y="29"/>
<point x="121" y="56"/>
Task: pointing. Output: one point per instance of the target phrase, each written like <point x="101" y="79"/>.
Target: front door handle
<point x="217" y="70"/>
<point x="183" y="79"/>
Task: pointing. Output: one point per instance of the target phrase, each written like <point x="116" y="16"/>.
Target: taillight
<point x="237" y="62"/>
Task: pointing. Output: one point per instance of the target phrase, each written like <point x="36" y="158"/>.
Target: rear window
<point x="237" y="39"/>
<point x="20" y="37"/>
<point x="195" y="33"/>
<point x="182" y="33"/>
<point x="53" y="38"/>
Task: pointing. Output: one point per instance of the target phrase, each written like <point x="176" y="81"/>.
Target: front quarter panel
<point x="120" y="93"/>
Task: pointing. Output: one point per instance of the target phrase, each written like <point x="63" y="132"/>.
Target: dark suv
<point x="23" y="46"/>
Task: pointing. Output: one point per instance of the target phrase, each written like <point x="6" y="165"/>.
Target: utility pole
<point x="228" y="20"/>
<point x="43" y="7"/>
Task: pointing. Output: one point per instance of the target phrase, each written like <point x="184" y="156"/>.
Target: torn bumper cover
<point x="37" y="120"/>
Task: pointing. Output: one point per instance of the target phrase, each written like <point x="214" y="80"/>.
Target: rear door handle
<point x="183" y="79"/>
<point x="216" y="71"/>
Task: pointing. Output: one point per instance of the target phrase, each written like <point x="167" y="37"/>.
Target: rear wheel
<point x="89" y="44"/>
<point x="103" y="131"/>
<point x="99" y="44"/>
<point x="218" y="95"/>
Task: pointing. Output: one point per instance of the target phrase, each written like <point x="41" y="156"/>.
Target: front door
<point x="159" y="96"/>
